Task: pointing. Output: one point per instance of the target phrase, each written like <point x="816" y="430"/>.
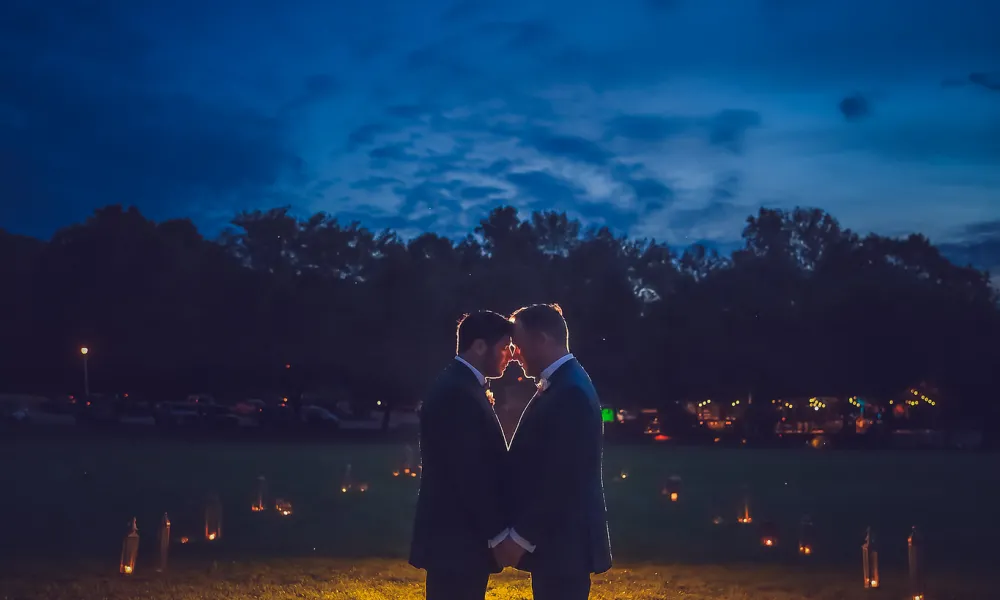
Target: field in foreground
<point x="376" y="579"/>
<point x="65" y="503"/>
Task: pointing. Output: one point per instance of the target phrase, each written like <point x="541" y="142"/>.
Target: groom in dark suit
<point x="558" y="519"/>
<point x="463" y="500"/>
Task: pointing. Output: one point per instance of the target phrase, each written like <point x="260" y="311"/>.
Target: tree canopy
<point x="803" y="307"/>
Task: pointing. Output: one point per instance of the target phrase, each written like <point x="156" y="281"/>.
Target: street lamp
<point x="84" y="351"/>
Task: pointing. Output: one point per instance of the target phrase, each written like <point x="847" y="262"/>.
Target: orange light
<point x="406" y="470"/>
<point x="84" y="350"/>
<point x="343" y="490"/>
<point x="185" y="540"/>
<point x="128" y="569"/>
<point x="673" y="496"/>
<point x="413" y="474"/>
<point x="805" y="550"/>
<point x="395" y="473"/>
<point x="211" y="536"/>
<point x="624" y="475"/>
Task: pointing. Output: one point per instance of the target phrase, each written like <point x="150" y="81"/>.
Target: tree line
<point x="803" y="307"/>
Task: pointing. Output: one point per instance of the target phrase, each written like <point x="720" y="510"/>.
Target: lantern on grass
<point x="869" y="561"/>
<point x="213" y="518"/>
<point x="768" y="535"/>
<point x="672" y="488"/>
<point x="806" y="537"/>
<point x="744" y="517"/>
<point x="916" y="559"/>
<point x="130" y="548"/>
<point x="258" y="504"/>
<point x="284" y="507"/>
<point x="346" y="483"/>
<point x="163" y="541"/>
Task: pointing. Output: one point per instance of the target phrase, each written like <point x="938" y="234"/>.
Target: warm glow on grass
<point x="378" y="579"/>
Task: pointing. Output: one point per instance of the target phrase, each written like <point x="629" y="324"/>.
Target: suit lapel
<point x="471" y="382"/>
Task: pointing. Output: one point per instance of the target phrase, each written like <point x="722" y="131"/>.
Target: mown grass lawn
<point x="380" y="579"/>
<point x="64" y="504"/>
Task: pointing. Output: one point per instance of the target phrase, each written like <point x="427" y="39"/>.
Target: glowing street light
<point x="84" y="351"/>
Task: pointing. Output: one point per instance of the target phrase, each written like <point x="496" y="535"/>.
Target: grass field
<point x="65" y="506"/>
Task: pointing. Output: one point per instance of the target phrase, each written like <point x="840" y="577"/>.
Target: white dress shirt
<point x="543" y="383"/>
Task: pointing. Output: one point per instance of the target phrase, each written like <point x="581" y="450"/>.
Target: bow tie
<point x="542" y="385"/>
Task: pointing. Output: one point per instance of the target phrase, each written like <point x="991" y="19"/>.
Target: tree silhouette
<point x="803" y="307"/>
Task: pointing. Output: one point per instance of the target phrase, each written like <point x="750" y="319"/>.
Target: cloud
<point x="661" y="5"/>
<point x="374" y="183"/>
<point x="541" y="187"/>
<point x="566" y="146"/>
<point x="408" y="111"/>
<point x="364" y="135"/>
<point x="990" y="81"/>
<point x="645" y="128"/>
<point x="91" y="107"/>
<point x="315" y="88"/>
<point x="651" y="194"/>
<point x="522" y="35"/>
<point x="399" y="151"/>
<point x="478" y="192"/>
<point x="854" y="107"/>
<point x="498" y="167"/>
<point x="980" y="248"/>
<point x="728" y="128"/>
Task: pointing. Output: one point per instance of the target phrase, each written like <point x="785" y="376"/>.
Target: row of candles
<point x="213" y="518"/>
<point x="869" y="549"/>
<point x="671" y="489"/>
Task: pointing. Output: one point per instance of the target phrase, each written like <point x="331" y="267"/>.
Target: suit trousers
<point x="456" y="585"/>
<point x="551" y="586"/>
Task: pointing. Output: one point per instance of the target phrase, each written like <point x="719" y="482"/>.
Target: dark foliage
<point x="804" y="307"/>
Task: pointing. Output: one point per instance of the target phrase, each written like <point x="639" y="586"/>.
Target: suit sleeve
<point x="551" y="480"/>
<point x="463" y="439"/>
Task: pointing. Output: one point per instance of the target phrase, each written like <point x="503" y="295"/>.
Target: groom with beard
<point x="557" y="515"/>
<point x="463" y="501"/>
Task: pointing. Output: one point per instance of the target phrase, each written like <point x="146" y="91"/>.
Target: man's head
<point x="540" y="337"/>
<point x="483" y="340"/>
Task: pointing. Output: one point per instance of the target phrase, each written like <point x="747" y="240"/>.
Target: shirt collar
<point x="547" y="373"/>
<point x="475" y="371"/>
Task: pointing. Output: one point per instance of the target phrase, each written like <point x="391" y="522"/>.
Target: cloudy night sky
<point x="672" y="119"/>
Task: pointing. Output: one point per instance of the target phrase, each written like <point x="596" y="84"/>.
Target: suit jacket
<point x="556" y="475"/>
<point x="461" y="504"/>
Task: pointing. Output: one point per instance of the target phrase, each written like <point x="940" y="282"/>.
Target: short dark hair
<point x="483" y="325"/>
<point x="544" y="318"/>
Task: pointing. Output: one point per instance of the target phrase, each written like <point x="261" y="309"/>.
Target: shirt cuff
<point x="494" y="542"/>
<point x="520" y="541"/>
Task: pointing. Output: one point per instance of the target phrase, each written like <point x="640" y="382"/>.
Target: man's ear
<point x="479" y="347"/>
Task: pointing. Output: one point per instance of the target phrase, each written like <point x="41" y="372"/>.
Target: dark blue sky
<point x="665" y="118"/>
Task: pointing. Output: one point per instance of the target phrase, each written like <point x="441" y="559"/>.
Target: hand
<point x="508" y="553"/>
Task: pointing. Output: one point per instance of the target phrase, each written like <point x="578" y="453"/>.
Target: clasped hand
<point x="508" y="553"/>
